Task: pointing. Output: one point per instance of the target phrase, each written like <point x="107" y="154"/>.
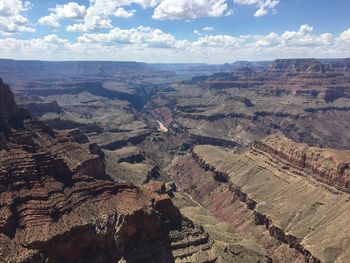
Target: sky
<point x="174" y="31"/>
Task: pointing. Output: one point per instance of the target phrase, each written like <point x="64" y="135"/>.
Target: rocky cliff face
<point x="291" y="97"/>
<point x="328" y="165"/>
<point x="277" y="186"/>
<point x="211" y="188"/>
<point x="10" y="114"/>
<point x="58" y="205"/>
<point x="296" y="65"/>
<point x="309" y="65"/>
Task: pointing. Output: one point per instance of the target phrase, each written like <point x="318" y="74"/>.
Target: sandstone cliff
<point x="288" y="190"/>
<point x="57" y="204"/>
<point x="328" y="165"/>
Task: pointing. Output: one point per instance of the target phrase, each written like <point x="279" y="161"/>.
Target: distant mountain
<point x="309" y="65"/>
<point x="13" y="70"/>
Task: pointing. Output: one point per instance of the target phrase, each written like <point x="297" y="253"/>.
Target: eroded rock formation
<point x="57" y="204"/>
<point x="291" y="192"/>
<point x="290" y="96"/>
<point x="328" y="165"/>
<point x="10" y="115"/>
<point x="55" y="207"/>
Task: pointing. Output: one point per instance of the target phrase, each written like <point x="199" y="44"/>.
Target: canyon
<point x="135" y="162"/>
<point x="262" y="186"/>
<point x="59" y="205"/>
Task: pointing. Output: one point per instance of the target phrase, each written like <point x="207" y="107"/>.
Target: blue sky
<point x="210" y="31"/>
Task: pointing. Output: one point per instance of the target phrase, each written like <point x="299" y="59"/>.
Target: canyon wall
<point x="10" y="114"/>
<point x="278" y="191"/>
<point x="58" y="205"/>
<point x="328" y="165"/>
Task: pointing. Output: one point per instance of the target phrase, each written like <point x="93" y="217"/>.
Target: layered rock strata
<point x="55" y="209"/>
<point x="291" y="97"/>
<point x="58" y="205"/>
<point x="282" y="196"/>
<point x="327" y="165"/>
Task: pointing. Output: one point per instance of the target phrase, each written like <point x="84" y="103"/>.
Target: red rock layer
<point x="58" y="205"/>
<point x="52" y="212"/>
<point x="327" y="165"/>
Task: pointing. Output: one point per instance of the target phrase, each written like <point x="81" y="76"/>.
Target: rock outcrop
<point x="42" y="108"/>
<point x="290" y="96"/>
<point x="211" y="189"/>
<point x="327" y="165"/>
<point x="289" y="191"/>
<point x="10" y="115"/>
<point x="296" y="65"/>
<point x="57" y="205"/>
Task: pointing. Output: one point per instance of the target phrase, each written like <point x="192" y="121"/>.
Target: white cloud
<point x="263" y="5"/>
<point x="50" y="20"/>
<point x="12" y="20"/>
<point x="121" y="12"/>
<point x="208" y="28"/>
<point x="140" y="35"/>
<point x="345" y="35"/>
<point x="154" y="45"/>
<point x="196" y="32"/>
<point x="70" y="10"/>
<point x="91" y="23"/>
<point x="46" y="47"/>
<point x="219" y="42"/>
<point x="190" y="9"/>
<point x="269" y="40"/>
<point x="99" y="12"/>
<point x="304" y="37"/>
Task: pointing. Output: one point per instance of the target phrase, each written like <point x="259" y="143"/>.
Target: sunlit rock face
<point x="58" y="205"/>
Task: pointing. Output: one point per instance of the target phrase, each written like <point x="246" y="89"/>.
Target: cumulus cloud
<point x="99" y="13"/>
<point x="70" y="10"/>
<point x="154" y="45"/>
<point x="12" y="20"/>
<point x="38" y="48"/>
<point x="121" y="12"/>
<point x="304" y="37"/>
<point x="140" y="35"/>
<point x="263" y="5"/>
<point x="218" y="40"/>
<point x="190" y="9"/>
<point x="345" y="35"/>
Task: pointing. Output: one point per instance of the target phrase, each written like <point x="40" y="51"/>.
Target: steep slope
<point x="327" y="165"/>
<point x="58" y="205"/>
<point x="10" y="114"/>
<point x="297" y="193"/>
